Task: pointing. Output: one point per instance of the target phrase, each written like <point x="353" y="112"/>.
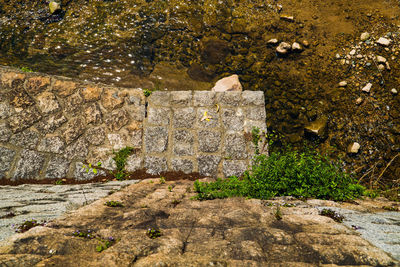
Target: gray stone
<point x="208" y="165"/>
<point x="57" y="168"/>
<point x="209" y="141"/>
<point x="160" y="98"/>
<point x="207" y="118"/>
<point x="102" y="155"/>
<point x="253" y="98"/>
<point x="26" y="139"/>
<point x="52" y="123"/>
<point x="183" y="143"/>
<point x="184" y="117"/>
<point x="136" y="113"/>
<point x="73" y="103"/>
<point x="158" y="116"/>
<point x="29" y="165"/>
<point x="53" y="144"/>
<point x="117" y="119"/>
<point x="48" y="103"/>
<point x="6" y="159"/>
<point x="117" y="141"/>
<point x="83" y="173"/>
<point x="74" y="129"/>
<point x="24" y="119"/>
<point x="203" y="98"/>
<point x="235" y="146"/>
<point x="5" y="132"/>
<point x="156" y="139"/>
<point x="234" y="167"/>
<point x="181" y="98"/>
<point x="155" y="165"/>
<point x="133" y="163"/>
<point x="93" y="114"/>
<point x="183" y="165"/>
<point x="249" y="125"/>
<point x="5" y="111"/>
<point x="136" y="139"/>
<point x="232" y="119"/>
<point x="229" y="98"/>
<point x="95" y="136"/>
<point x="256" y="113"/>
<point x="79" y="149"/>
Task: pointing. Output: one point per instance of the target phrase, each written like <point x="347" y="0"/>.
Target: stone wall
<point x="50" y="126"/>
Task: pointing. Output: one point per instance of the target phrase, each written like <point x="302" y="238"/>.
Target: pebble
<point x="383" y="41"/>
<point x="343" y="84"/>
<point x="353" y="148"/>
<point x="381" y="59"/>
<point x="394" y="91"/>
<point x="367" y="88"/>
<point x="306" y="43"/>
<point x="272" y="41"/>
<point x="296" y="47"/>
<point x="283" y="48"/>
<point x="381" y="67"/>
<point x="352" y="52"/>
<point x="359" y="101"/>
<point x="364" y="36"/>
<point x="287" y="18"/>
<point x="359" y="56"/>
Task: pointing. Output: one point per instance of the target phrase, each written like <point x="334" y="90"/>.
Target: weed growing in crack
<point x="113" y="204"/>
<point x="26" y="225"/>
<point x="332" y="214"/>
<point x="278" y="213"/>
<point x="105" y="243"/>
<point x="153" y="233"/>
<point x="120" y="158"/>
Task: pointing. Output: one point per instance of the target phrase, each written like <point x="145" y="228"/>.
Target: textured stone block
<point x="207" y="117"/>
<point x="18" y="98"/>
<point x="204" y="98"/>
<point x="95" y="136"/>
<point x="249" y="124"/>
<point x="183" y="165"/>
<point x="5" y="132"/>
<point x="133" y="163"/>
<point x="24" y="119"/>
<point x="73" y="104"/>
<point x="158" y="116"/>
<point x="26" y="139"/>
<point x="117" y="141"/>
<point x="75" y="128"/>
<point x="155" y="165"/>
<point x="77" y="150"/>
<point x="6" y="159"/>
<point x="11" y="80"/>
<point x="253" y="98"/>
<point x="51" y="123"/>
<point x="104" y="156"/>
<point x="48" y="103"/>
<point x="112" y="99"/>
<point x="135" y="97"/>
<point x="229" y="98"/>
<point x="208" y="165"/>
<point x="64" y="87"/>
<point x="159" y="98"/>
<point x="91" y="93"/>
<point x="184" y="117"/>
<point x="57" y="168"/>
<point x="234" y="167"/>
<point x="209" y="141"/>
<point x="29" y="165"/>
<point x="183" y="143"/>
<point x="156" y="139"/>
<point x="117" y="119"/>
<point x="235" y="146"/>
<point x="136" y="139"/>
<point x="53" y="144"/>
<point x="181" y="98"/>
<point x="256" y="113"/>
<point x="232" y="119"/>
<point x="82" y="174"/>
<point x="93" y="114"/>
<point x="137" y="113"/>
<point x="36" y="85"/>
<point x="5" y="110"/>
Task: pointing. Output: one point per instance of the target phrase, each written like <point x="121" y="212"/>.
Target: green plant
<point x="390" y="208"/>
<point x="278" y="213"/>
<point x="59" y="182"/>
<point x="105" y="244"/>
<point x="26" y="225"/>
<point x="371" y="193"/>
<point x="112" y="203"/>
<point x="162" y="180"/>
<point x="92" y="168"/>
<point x="153" y="233"/>
<point x="26" y="69"/>
<point x="120" y="158"/>
<point x="332" y="214"/>
<point x="89" y="234"/>
<point x="147" y="92"/>
<point x="170" y="188"/>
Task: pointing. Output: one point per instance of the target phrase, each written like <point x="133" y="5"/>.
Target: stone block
<point x="117" y="119"/>
<point x="112" y="99"/>
<point x="6" y="159"/>
<point x="136" y="139"/>
<point x="136" y="113"/>
<point x="52" y="144"/>
<point x="91" y="93"/>
<point x="209" y="141"/>
<point x="184" y="117"/>
<point x="253" y="98"/>
<point x="5" y="132"/>
<point x="73" y="104"/>
<point x="234" y="167"/>
<point x="204" y="98"/>
<point x="159" y="98"/>
<point x="36" y="85"/>
<point x="11" y="80"/>
<point x="155" y="165"/>
<point x="183" y="143"/>
<point x="181" y="98"/>
<point x="24" y="119"/>
<point x="77" y="150"/>
<point x="232" y="119"/>
<point x="75" y="128"/>
<point x="117" y="141"/>
<point x="256" y="113"/>
<point x="48" y="103"/>
<point x="18" y="98"/>
<point x="57" y="168"/>
<point x="64" y="88"/>
<point x="182" y="165"/>
<point x="26" y="139"/>
<point x="207" y="117"/>
<point x="208" y="165"/>
<point x="156" y="139"/>
<point x="95" y="136"/>
<point x="82" y="173"/>
<point x="135" y="97"/>
<point x="5" y="110"/>
<point x="158" y="116"/>
<point x="93" y="114"/>
<point x="133" y="163"/>
<point x="229" y="98"/>
<point x="51" y="123"/>
<point x="249" y="124"/>
<point x="235" y="146"/>
<point x="29" y="165"/>
<point x="102" y="155"/>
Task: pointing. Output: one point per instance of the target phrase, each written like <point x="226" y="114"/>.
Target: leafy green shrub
<point x="290" y="173"/>
<point x="113" y="204"/>
<point x="120" y="158"/>
<point x="153" y="233"/>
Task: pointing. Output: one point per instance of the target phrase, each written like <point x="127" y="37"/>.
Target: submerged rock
<point x="384" y="41"/>
<point x="54" y="6"/>
<point x="317" y="128"/>
<point x="353" y="148"/>
<point x="283" y="48"/>
<point x="367" y="88"/>
<point x="364" y="36"/>
<point x="230" y="83"/>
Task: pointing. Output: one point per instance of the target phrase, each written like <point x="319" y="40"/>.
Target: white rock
<point x="359" y="101"/>
<point x="359" y="56"/>
<point x="272" y="41"/>
<point x="381" y="67"/>
<point x="394" y="91"/>
<point x="287" y="18"/>
<point x="230" y="83"/>
<point x="367" y="88"/>
<point x="353" y="148"/>
<point x="383" y="41"/>
<point x="381" y="59"/>
<point x="296" y="47"/>
<point x="54" y="6"/>
<point x="352" y="52"/>
<point x="283" y="48"/>
<point x="364" y="36"/>
<point x="343" y="84"/>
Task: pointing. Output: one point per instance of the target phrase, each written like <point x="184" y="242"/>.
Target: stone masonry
<point x="51" y="126"/>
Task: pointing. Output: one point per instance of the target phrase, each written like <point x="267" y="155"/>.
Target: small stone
<point x="364" y="36"/>
<point x="359" y="56"/>
<point x="272" y="41"/>
<point x="133" y="163"/>
<point x="5" y="132"/>
<point x="209" y="141"/>
<point x="343" y="84"/>
<point x="394" y="91"/>
<point x="287" y="18"/>
<point x="36" y="85"/>
<point x="117" y="141"/>
<point x="359" y="101"/>
<point x="79" y="149"/>
<point x="50" y="124"/>
<point x="384" y="41"/>
<point x="54" y="6"/>
<point x="296" y="47"/>
<point x="381" y="59"/>
<point x="208" y="165"/>
<point x="24" y="119"/>
<point x="306" y="43"/>
<point x="283" y="48"/>
<point x="230" y="83"/>
<point x="352" y="52"/>
<point x="317" y="128"/>
<point x="367" y="88"/>
<point x="353" y="148"/>
<point x="183" y="143"/>
<point x="381" y="67"/>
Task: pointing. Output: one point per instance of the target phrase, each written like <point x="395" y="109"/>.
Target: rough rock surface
<point x="230" y="83"/>
<point x="230" y="232"/>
